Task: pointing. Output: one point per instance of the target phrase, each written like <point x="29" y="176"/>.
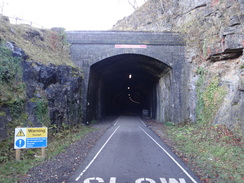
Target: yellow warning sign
<point x="36" y="132"/>
<point x="20" y="133"/>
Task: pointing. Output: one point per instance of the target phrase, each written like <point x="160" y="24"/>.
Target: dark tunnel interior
<point x="124" y="84"/>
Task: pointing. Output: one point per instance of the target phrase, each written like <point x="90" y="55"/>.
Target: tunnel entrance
<point x="156" y="61"/>
<point x="126" y="84"/>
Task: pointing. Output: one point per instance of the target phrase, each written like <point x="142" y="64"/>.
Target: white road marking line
<point x="81" y="174"/>
<point x="170" y="156"/>
<point x="117" y="121"/>
<point x="142" y="121"/>
<point x="172" y="180"/>
<point x="112" y="180"/>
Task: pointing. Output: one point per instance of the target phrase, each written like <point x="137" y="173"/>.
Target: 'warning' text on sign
<point x="36" y="132"/>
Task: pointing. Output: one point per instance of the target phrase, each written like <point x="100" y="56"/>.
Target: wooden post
<point x="43" y="156"/>
<point x="43" y="153"/>
<point x="17" y="156"/>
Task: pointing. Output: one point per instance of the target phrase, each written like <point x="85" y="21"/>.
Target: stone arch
<point x="91" y="48"/>
<point x="111" y="51"/>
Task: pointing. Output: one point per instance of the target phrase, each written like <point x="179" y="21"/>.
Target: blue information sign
<point x="36" y="142"/>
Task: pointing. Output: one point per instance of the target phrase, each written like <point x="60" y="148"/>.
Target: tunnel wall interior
<point x="129" y="84"/>
<point x="164" y="98"/>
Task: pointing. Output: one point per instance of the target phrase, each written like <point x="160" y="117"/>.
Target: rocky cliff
<point x="38" y="83"/>
<point x="213" y="31"/>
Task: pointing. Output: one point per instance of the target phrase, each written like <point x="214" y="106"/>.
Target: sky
<point x="70" y="14"/>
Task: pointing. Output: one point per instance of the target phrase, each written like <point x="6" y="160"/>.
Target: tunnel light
<point x="129" y="95"/>
<point x="128" y="87"/>
<point x="134" y="101"/>
<point x="130" y="76"/>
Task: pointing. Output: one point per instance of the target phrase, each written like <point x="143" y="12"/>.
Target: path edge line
<point x="81" y="174"/>
<point x="170" y="156"/>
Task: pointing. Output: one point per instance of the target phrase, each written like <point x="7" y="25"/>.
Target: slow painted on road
<point x="129" y="152"/>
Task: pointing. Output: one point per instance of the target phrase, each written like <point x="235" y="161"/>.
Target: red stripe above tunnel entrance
<point x="129" y="46"/>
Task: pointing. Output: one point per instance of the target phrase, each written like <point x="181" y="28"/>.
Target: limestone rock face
<point x="59" y="86"/>
<point x="214" y="35"/>
<point x="53" y="96"/>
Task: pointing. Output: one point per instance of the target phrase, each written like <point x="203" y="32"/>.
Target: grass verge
<point x="58" y="142"/>
<point x="215" y="154"/>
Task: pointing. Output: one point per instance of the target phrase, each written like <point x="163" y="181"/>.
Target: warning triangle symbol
<point x="20" y="133"/>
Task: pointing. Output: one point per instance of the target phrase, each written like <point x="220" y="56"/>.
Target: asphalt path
<point x="129" y="152"/>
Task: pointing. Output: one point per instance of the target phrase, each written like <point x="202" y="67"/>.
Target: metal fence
<point x="16" y="20"/>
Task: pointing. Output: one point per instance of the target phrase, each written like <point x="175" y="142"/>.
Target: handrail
<point x="17" y="20"/>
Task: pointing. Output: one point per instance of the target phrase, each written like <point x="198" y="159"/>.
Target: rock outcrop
<point x="50" y="95"/>
<point x="59" y="87"/>
<point x="213" y="31"/>
<point x="39" y="84"/>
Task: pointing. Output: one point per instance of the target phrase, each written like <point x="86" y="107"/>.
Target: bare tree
<point x="162" y="6"/>
<point x="2" y="5"/>
<point x="133" y="4"/>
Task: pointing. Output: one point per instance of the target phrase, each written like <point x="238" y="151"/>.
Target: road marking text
<point x="140" y="180"/>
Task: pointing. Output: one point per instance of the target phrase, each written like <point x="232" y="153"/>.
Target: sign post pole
<point x="17" y="156"/>
<point x="43" y="152"/>
<point x="17" y="151"/>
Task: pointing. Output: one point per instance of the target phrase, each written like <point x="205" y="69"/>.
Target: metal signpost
<point x="30" y="138"/>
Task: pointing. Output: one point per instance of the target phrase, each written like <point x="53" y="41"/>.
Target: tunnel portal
<point x="124" y="84"/>
<point x="131" y="73"/>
